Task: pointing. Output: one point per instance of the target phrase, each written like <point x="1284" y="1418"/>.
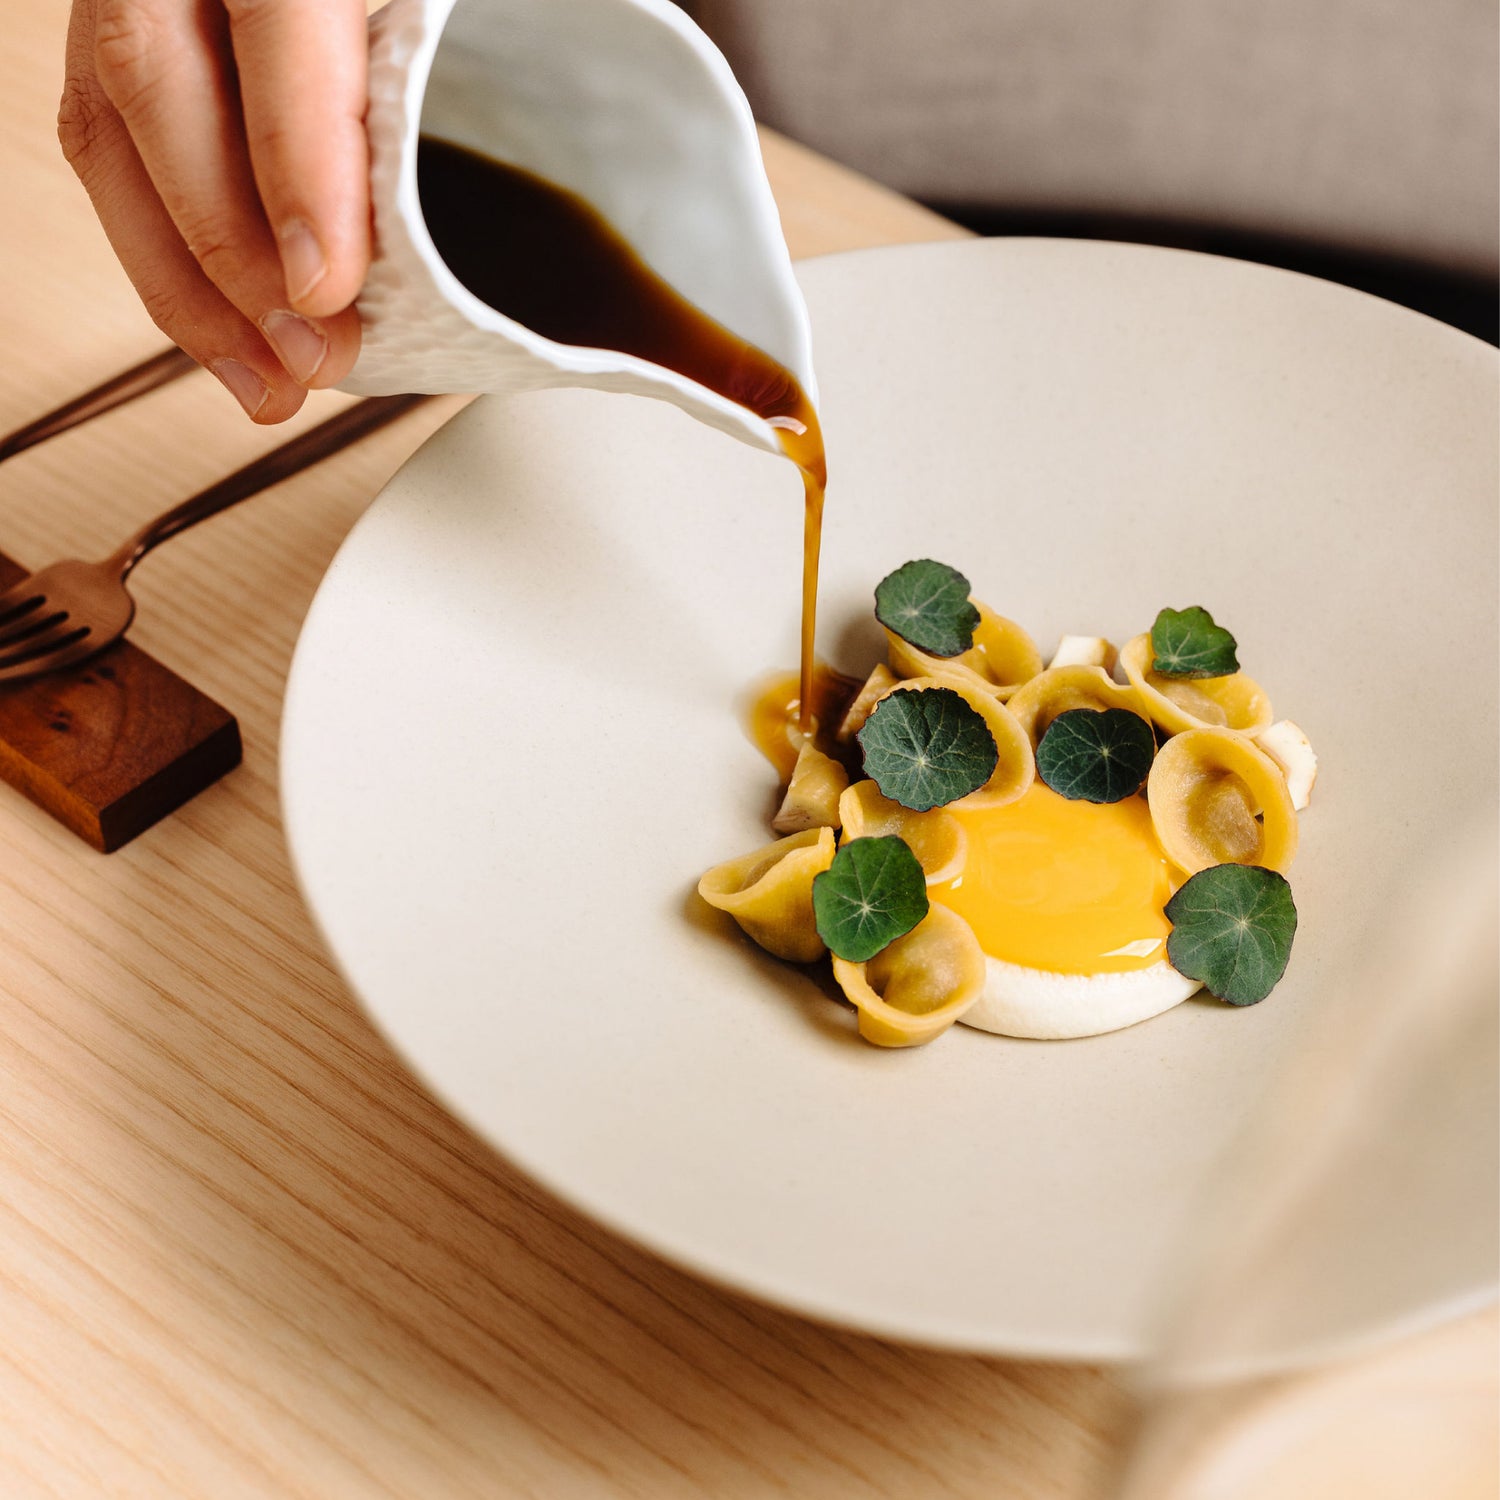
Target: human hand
<point x="223" y="145"/>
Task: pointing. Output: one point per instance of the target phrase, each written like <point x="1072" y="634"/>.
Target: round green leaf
<point x="927" y="603"/>
<point x="1232" y="928"/>
<point x="1096" y="754"/>
<point x="925" y="747"/>
<point x="873" y="893"/>
<point x="1187" y="643"/>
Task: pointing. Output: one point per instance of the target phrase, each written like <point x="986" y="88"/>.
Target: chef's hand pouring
<point x="223" y="145"/>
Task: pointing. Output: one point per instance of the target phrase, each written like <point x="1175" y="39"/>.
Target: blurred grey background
<point x="1352" y="139"/>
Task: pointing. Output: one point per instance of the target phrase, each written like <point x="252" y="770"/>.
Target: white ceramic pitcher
<point x="629" y="105"/>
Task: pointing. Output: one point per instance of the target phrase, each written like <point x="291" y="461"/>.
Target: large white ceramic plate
<point x="512" y="745"/>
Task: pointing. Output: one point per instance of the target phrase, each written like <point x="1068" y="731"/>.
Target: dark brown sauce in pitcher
<point x="541" y="255"/>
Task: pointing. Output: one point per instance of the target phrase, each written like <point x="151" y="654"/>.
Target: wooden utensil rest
<point x="118" y="742"/>
<point x="113" y="745"/>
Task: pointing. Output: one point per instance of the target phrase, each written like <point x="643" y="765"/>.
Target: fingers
<point x="225" y="153"/>
<point x="302" y="84"/>
<point x="181" y="299"/>
<point x="167" y="67"/>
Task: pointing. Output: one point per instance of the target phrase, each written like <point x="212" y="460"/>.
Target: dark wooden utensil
<point x="72" y="610"/>
<point x="113" y="744"/>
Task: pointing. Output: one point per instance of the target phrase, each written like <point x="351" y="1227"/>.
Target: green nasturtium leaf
<point x="925" y="747"/>
<point x="873" y="893"/>
<point x="1187" y="643"/>
<point x="927" y="604"/>
<point x="1232" y="928"/>
<point x="1096" y="754"/>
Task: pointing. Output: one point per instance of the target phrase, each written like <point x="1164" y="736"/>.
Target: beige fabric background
<point x="1366" y="124"/>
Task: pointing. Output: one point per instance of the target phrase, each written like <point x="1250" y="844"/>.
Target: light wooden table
<point x="241" y="1252"/>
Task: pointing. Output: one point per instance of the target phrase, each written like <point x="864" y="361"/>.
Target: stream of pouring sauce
<point x="541" y="255"/>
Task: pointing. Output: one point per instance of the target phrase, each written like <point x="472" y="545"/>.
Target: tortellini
<point x="1069" y="898"/>
<point x="769" y="893"/>
<point x="1002" y="657"/>
<point x="812" y="795"/>
<point x="936" y="837"/>
<point x="880" y="681"/>
<point x="1059" y="689"/>
<point x="915" y="988"/>
<point x="1215" y="799"/>
<point x="1234" y="702"/>
<point x="1015" y="767"/>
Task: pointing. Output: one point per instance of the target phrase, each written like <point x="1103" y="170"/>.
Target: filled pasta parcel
<point x="974" y="835"/>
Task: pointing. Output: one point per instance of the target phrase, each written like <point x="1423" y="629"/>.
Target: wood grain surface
<point x="241" y="1252"/>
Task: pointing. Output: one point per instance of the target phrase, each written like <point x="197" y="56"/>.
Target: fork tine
<point x="30" y="651"/>
<point x="55" y="661"/>
<point x="19" y="600"/>
<point x="67" y="655"/>
<point x="29" y="623"/>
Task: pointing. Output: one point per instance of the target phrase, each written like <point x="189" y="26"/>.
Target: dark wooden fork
<point x="65" y="613"/>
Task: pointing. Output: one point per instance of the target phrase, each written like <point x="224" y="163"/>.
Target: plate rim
<point x="768" y="1290"/>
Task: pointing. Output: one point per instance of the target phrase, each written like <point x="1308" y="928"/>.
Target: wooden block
<point x="113" y="745"/>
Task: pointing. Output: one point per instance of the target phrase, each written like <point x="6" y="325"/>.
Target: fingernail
<point x="300" y="344"/>
<point x="302" y="259"/>
<point x="243" y="384"/>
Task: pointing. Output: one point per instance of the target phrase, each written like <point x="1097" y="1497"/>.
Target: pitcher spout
<point x="628" y="108"/>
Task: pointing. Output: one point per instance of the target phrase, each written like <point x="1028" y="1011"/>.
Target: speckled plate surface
<point x="536" y="641"/>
